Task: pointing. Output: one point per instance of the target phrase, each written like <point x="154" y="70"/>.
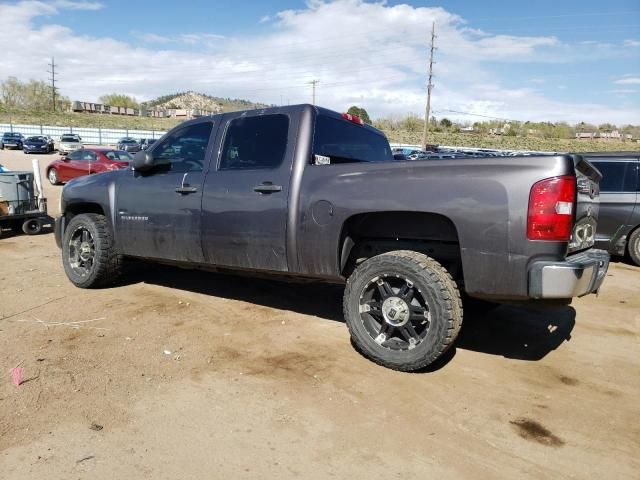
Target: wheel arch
<point x="432" y="233"/>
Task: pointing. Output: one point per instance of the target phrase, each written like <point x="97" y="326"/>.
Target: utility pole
<point x="53" y="81"/>
<point x="313" y="84"/>
<point x="425" y="137"/>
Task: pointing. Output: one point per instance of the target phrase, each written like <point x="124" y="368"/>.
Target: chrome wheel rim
<point x="82" y="252"/>
<point x="394" y="312"/>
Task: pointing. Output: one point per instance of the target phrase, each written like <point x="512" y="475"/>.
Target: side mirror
<point x="143" y="161"/>
<point x="65" y="158"/>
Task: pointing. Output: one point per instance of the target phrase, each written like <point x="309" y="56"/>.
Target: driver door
<point x="158" y="212"/>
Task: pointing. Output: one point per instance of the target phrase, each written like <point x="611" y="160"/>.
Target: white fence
<point x="90" y="136"/>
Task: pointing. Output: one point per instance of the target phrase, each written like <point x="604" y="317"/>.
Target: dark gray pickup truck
<point x="306" y="192"/>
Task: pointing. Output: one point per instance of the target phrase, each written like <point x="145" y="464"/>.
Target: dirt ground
<point x="193" y="375"/>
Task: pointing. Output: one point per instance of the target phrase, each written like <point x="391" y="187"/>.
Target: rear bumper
<point x="578" y="275"/>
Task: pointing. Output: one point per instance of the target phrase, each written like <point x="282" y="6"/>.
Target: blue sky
<point x="542" y="60"/>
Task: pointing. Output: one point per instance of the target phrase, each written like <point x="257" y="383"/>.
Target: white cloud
<point x="78" y="5"/>
<point x="372" y="54"/>
<point x="628" y="80"/>
<point x="632" y="43"/>
<point x="184" y="38"/>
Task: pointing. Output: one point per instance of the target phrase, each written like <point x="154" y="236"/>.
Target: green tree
<point x="411" y="123"/>
<point x="119" y="100"/>
<point x="360" y="112"/>
<point x="34" y="95"/>
<point x="445" y="123"/>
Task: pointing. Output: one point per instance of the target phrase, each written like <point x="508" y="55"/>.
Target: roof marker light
<point x="353" y="118"/>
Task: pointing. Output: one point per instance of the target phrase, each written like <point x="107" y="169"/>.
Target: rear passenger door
<point x="618" y="197"/>
<point x="244" y="207"/>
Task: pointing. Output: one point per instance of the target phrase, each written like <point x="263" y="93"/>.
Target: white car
<point x="69" y="142"/>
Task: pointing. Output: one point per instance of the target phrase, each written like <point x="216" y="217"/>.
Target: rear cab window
<point x="345" y="142"/>
<point x="618" y="175"/>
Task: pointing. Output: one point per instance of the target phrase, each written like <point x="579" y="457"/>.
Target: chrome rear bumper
<point x="578" y="275"/>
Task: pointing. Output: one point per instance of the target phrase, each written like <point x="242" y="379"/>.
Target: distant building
<point x="500" y="131"/>
<point x="86" y="107"/>
<point x="469" y="129"/>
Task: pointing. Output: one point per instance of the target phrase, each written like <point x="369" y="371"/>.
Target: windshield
<point x="35" y="139"/>
<point x="128" y="140"/>
<point x="11" y="135"/>
<point x="69" y="139"/>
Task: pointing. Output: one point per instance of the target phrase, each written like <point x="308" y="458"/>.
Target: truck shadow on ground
<point x="507" y="331"/>
<point x="517" y="332"/>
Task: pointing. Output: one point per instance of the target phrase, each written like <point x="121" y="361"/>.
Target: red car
<point x="86" y="161"/>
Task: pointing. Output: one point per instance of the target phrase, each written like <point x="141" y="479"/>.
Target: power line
<point x="425" y="137"/>
<point x="52" y="65"/>
<point x="313" y="84"/>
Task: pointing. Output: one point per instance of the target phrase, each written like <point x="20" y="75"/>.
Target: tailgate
<point x="587" y="206"/>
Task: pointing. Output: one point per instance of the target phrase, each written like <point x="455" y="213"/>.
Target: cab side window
<point x="255" y="142"/>
<point x="618" y="176"/>
<point x="185" y="149"/>
<point x="77" y="155"/>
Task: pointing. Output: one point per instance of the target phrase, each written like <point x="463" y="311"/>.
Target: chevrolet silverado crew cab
<point x="309" y="193"/>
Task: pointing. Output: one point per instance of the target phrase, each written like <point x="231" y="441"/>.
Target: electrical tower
<point x="52" y="65"/>
<point x="425" y="137"/>
<point x="313" y="84"/>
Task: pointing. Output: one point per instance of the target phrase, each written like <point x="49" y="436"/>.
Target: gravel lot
<point x="193" y="375"/>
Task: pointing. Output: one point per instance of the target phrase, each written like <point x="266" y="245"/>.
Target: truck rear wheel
<point x="89" y="255"/>
<point x="403" y="309"/>
<point x="633" y="246"/>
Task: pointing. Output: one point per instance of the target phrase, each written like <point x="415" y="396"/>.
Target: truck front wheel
<point x="403" y="309"/>
<point x="89" y="255"/>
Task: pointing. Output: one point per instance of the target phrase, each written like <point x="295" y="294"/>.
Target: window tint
<point x="255" y="142"/>
<point x="617" y="176"/>
<point x="185" y="149"/>
<point x="77" y="155"/>
<point x="344" y="141"/>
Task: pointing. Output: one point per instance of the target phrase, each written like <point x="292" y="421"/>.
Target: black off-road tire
<point x="33" y="226"/>
<point x="107" y="265"/>
<point x="437" y="288"/>
<point x="633" y="246"/>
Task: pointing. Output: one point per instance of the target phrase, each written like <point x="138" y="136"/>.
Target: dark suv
<point x="618" y="228"/>
<point x="12" y="140"/>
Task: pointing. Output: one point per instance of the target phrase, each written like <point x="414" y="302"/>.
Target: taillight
<point x="551" y="209"/>
<point x="353" y="118"/>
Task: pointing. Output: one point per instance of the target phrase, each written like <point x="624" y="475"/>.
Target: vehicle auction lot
<point x="184" y="374"/>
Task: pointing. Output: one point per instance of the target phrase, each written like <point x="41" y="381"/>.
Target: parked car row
<point x="441" y="153"/>
<point x="69" y="142"/>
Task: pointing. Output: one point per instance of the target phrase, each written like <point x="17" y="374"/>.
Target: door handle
<point x="267" y="188"/>
<point x="184" y="190"/>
